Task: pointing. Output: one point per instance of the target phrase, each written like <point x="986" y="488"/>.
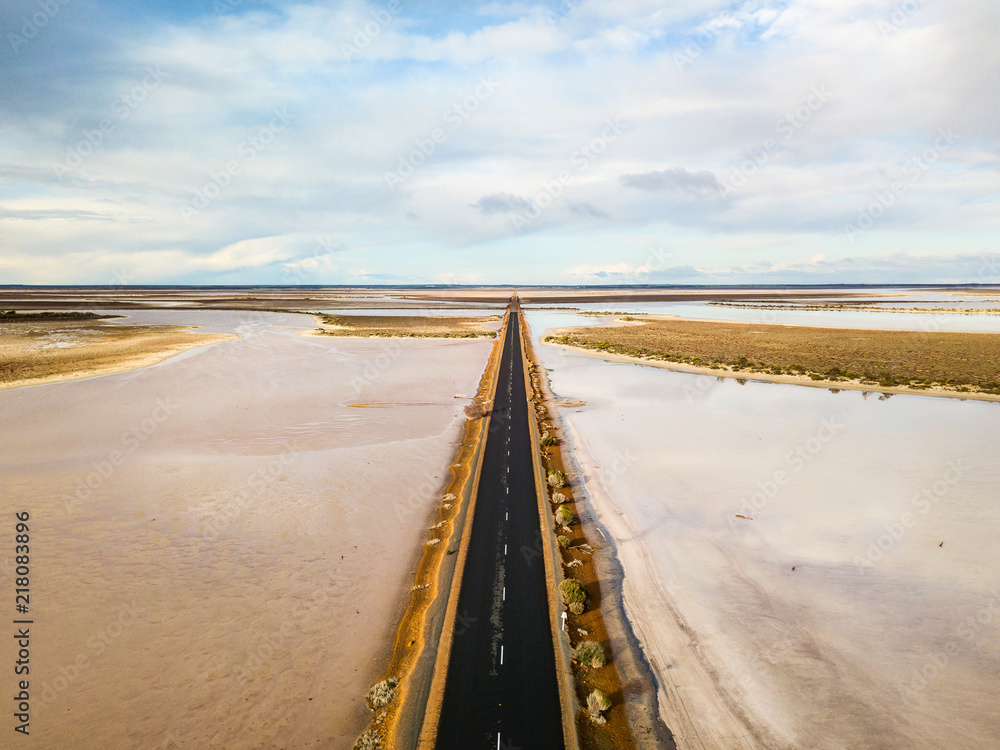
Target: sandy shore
<point x="119" y="356"/>
<point x="223" y="543"/>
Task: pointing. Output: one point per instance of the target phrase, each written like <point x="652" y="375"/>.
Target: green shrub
<point x="557" y="478"/>
<point x="573" y="592"/>
<point x="577" y="608"/>
<point x="548" y="440"/>
<point x="597" y="703"/>
<point x="381" y="693"/>
<point x="565" y="516"/>
<point x="590" y="654"/>
<point x="563" y="541"/>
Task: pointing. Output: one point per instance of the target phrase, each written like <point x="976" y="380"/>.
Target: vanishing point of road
<point x="501" y="689"/>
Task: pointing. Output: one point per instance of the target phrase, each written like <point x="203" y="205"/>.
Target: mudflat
<point x="223" y="543"/>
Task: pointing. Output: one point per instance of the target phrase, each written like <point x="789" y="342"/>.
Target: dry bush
<point x="597" y="703"/>
<point x="476" y="410"/>
<point x="381" y="694"/>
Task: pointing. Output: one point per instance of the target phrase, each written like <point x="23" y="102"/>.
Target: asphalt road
<point x="501" y="689"/>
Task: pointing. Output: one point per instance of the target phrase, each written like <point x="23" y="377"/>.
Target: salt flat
<point x="222" y="544"/>
<point x="856" y="606"/>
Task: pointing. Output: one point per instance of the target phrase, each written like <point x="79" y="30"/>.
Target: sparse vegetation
<point x="381" y="693"/>
<point x="407" y="326"/>
<point x="556" y="478"/>
<point x="575" y="595"/>
<point x="912" y="359"/>
<point x="590" y="654"/>
<point x="597" y="703"/>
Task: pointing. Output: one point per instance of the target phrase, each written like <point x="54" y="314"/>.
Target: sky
<point x="565" y="142"/>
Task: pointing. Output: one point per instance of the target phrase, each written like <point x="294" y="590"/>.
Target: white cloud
<point x="354" y="120"/>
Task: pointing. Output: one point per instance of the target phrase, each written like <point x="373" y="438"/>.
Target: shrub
<point x="476" y="410"/>
<point x="574" y="594"/>
<point x="559" y="498"/>
<point x="548" y="440"/>
<point x="590" y="654"/>
<point x="557" y="478"/>
<point x="381" y="694"/>
<point x="563" y="541"/>
<point x="597" y="703"/>
<point x="368" y="741"/>
<point x="565" y="516"/>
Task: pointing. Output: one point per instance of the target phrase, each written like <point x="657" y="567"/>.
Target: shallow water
<point x="887" y="632"/>
<point x="222" y="543"/>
